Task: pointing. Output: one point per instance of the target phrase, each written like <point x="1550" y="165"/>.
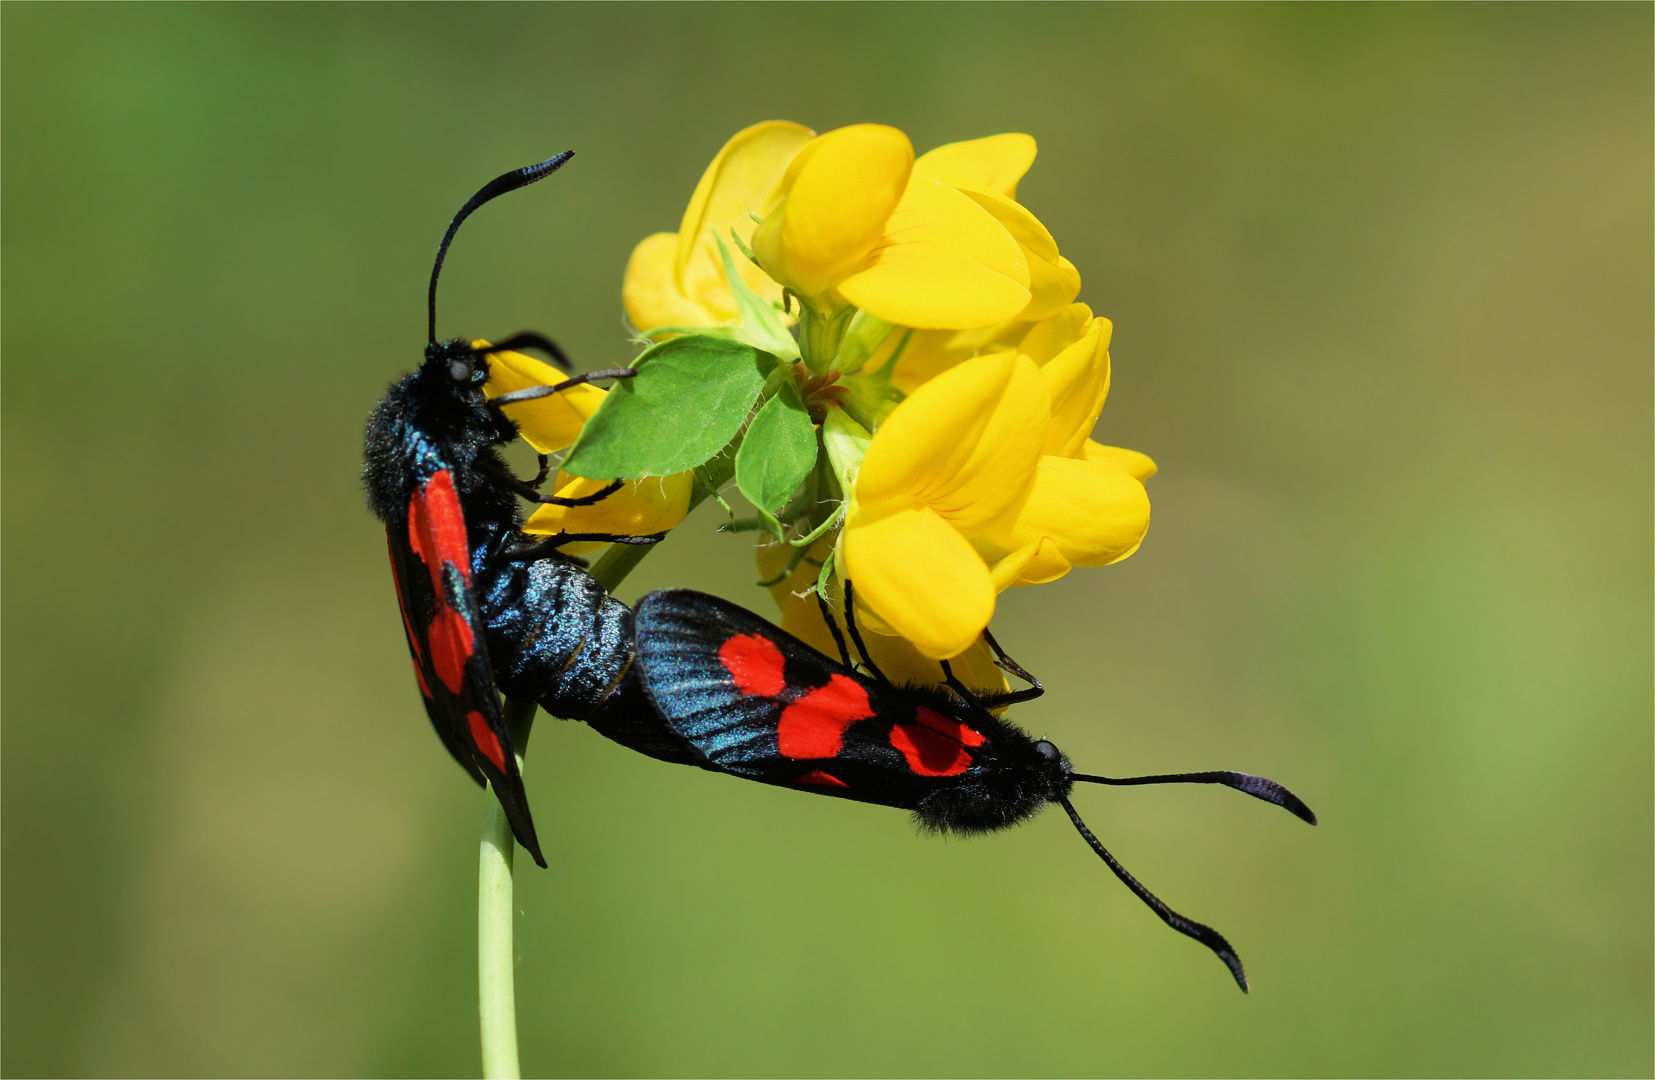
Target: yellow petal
<point x="1136" y="465"/>
<point x="920" y="577"/>
<point x="1052" y="286"/>
<point x="944" y="263"/>
<point x="964" y="444"/>
<point x="1077" y="382"/>
<point x="834" y="201"/>
<point x="997" y="162"/>
<point x="548" y="424"/>
<point x="1094" y="513"/>
<point x="928" y="353"/>
<point x="652" y="294"/>
<point x="1053" y="280"/>
<point x="1055" y="333"/>
<point x="1024" y="227"/>
<point x="742" y="180"/>
<point x="653" y="504"/>
<point x="1035" y="563"/>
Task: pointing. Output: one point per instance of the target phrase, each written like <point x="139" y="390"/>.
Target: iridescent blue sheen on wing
<point x="1001" y="778"/>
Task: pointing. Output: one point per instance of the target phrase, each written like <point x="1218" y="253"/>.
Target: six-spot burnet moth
<point x="732" y="693"/>
<point x="485" y="610"/>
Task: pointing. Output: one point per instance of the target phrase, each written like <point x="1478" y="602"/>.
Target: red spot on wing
<point x="755" y="663"/>
<point x="483" y="736"/>
<point x="814" y="726"/>
<point x="436" y="528"/>
<point x="936" y="745"/>
<point x="817" y="776"/>
<point x="949" y="726"/>
<point x="451" y="644"/>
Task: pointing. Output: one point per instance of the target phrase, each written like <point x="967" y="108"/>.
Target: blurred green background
<point x="1381" y="282"/>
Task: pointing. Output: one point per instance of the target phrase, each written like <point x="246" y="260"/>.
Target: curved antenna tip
<point x="501" y="184"/>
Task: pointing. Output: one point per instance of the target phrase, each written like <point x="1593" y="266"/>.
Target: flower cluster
<point x="913" y="384"/>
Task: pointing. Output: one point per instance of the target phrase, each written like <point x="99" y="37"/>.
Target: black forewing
<point x="418" y="606"/>
<point x="451" y="710"/>
<point x="679" y="637"/>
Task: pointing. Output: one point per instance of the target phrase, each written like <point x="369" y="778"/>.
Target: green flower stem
<point x="496" y="983"/>
<point x="496" y="976"/>
<point x="613" y="565"/>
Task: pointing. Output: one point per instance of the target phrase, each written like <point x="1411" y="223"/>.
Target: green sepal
<point x="688" y="401"/>
<point x="824" y="580"/>
<point x="759" y="325"/>
<point x="846" y="442"/>
<point x="777" y="452"/>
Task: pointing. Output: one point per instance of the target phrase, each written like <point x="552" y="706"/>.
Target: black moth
<point x="485" y="609"/>
<point x="716" y="686"/>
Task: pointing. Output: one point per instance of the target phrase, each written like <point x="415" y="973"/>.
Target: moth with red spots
<point x="485" y="610"/>
<point x="732" y="693"/>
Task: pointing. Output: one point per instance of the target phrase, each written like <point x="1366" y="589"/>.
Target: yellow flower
<point x="947" y="462"/>
<point x="551" y="424"/>
<point x="984" y="478"/>
<point x="1086" y="505"/>
<point x="677" y="279"/>
<point x="988" y="170"/>
<point x="854" y="223"/>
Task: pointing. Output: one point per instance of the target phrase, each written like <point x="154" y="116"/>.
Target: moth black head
<point x="1012" y="777"/>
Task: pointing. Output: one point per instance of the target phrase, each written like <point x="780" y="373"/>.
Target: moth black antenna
<point x="1206" y="935"/>
<point x="833" y="628"/>
<point x="511" y="181"/>
<point x="528" y="339"/>
<point x="1256" y="786"/>
<point x="856" y="635"/>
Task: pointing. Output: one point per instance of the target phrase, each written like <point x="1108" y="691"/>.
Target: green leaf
<point x="760" y="325"/>
<point x="777" y="453"/>
<point x="688" y="400"/>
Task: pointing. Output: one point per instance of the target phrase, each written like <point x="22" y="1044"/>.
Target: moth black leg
<point x="544" y="472"/>
<point x="531" y="340"/>
<point x="856" y="635"/>
<point x="964" y="692"/>
<point x="833" y="628"/>
<point x="526" y="490"/>
<point x="577" y="500"/>
<point x="550" y="545"/>
<point x="535" y="393"/>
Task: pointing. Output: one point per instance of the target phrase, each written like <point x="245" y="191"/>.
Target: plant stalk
<point x="496" y="977"/>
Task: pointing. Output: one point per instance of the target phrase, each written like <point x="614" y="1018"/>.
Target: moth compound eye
<point x="459" y="371"/>
<point x="1048" y="751"/>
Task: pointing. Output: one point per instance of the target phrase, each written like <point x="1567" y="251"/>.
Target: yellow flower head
<point x="980" y="480"/>
<point x="949" y="377"/>
<point x="852" y="218"/>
